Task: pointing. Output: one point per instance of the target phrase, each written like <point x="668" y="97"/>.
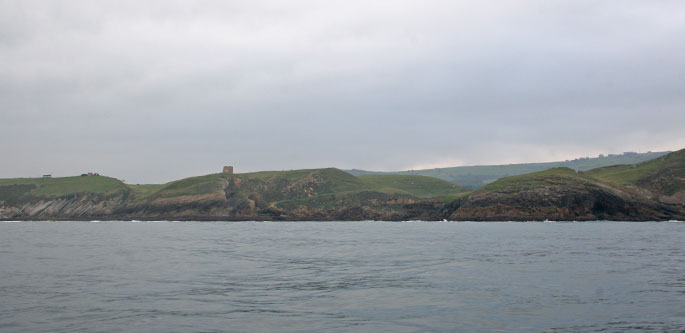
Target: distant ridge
<point x="477" y="176"/>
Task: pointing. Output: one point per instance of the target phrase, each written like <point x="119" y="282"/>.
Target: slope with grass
<point x="322" y="194"/>
<point x="475" y="177"/>
<point x="66" y="196"/>
<point x="57" y="187"/>
<point x="662" y="178"/>
<point x="298" y="194"/>
<point x="419" y="186"/>
<point x="651" y="190"/>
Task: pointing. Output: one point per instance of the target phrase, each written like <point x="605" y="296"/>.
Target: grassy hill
<point x="419" y="186"/>
<point x="14" y="189"/>
<point x="310" y="194"/>
<point x="297" y="194"/>
<point x="649" y="190"/>
<point x="616" y="193"/>
<point x="306" y="183"/>
<point x="144" y="190"/>
<point x="535" y="179"/>
<point x="474" y="177"/>
<point x="188" y="186"/>
<point x="273" y="185"/>
<point x="663" y="175"/>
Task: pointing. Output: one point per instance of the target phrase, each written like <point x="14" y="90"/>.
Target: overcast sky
<point x="151" y="91"/>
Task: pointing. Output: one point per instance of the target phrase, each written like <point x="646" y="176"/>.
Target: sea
<point x="114" y="276"/>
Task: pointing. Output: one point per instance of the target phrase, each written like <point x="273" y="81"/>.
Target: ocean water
<point x="341" y="276"/>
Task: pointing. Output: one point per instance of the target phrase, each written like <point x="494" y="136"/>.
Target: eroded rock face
<point x="78" y="206"/>
<point x="580" y="202"/>
<point x="677" y="198"/>
<point x="572" y="201"/>
<point x="557" y="195"/>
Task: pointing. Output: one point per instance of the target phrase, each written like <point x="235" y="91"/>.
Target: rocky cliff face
<point x="216" y="207"/>
<point x="77" y="206"/>
<point x="324" y="194"/>
<point x="653" y="190"/>
<point x="563" y="199"/>
<point x="560" y="199"/>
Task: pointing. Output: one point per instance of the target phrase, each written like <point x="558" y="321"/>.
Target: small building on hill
<point x="228" y="169"/>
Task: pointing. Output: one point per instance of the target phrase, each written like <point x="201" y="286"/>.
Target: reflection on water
<point x="341" y="276"/>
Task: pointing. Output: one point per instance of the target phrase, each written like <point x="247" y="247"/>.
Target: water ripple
<point x="355" y="276"/>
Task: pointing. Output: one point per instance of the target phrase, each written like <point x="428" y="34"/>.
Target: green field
<point x="337" y="180"/>
<point x="190" y="186"/>
<point x="622" y="175"/>
<point x="140" y="191"/>
<point x="535" y="179"/>
<point x="56" y="187"/>
<point x="418" y="186"/>
<point x="664" y="175"/>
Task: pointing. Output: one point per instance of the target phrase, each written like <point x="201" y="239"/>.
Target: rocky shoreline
<point x="651" y="191"/>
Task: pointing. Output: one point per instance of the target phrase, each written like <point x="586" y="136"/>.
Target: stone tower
<point x="228" y="169"/>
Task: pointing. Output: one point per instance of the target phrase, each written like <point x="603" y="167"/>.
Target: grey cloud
<point x="152" y="91"/>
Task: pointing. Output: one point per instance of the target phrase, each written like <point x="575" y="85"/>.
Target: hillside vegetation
<point x="295" y="194"/>
<point x="535" y="179"/>
<point x="652" y="190"/>
<point x="27" y="189"/>
<point x="474" y="177"/>
<point x="655" y="188"/>
<point x="189" y="186"/>
<point x="285" y="185"/>
<point x="663" y="175"/>
<point x="419" y="186"/>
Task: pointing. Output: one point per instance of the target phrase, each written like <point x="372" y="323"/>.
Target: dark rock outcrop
<point x="572" y="201"/>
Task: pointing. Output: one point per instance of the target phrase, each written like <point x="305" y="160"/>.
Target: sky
<point x="152" y="91"/>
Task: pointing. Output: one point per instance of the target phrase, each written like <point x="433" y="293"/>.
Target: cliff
<point x="652" y="190"/>
<point x="316" y="194"/>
